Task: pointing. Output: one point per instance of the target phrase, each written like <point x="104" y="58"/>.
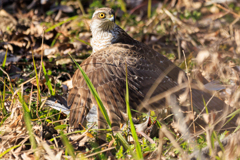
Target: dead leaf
<point x="26" y="156"/>
<point x="202" y="55"/>
<point x="64" y="8"/>
<point x="7" y="21"/>
<point x="89" y="135"/>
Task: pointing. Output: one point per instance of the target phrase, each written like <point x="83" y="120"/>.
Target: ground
<point x="38" y="40"/>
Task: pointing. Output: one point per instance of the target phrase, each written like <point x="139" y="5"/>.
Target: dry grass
<point x="200" y="38"/>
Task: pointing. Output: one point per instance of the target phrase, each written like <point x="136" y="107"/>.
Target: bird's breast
<point x="101" y="40"/>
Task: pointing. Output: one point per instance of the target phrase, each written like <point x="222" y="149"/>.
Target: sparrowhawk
<point x="113" y="50"/>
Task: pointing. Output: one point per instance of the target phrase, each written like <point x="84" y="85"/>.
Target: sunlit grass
<point x="139" y="147"/>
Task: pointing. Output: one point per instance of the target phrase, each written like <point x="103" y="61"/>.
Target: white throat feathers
<point x="102" y="38"/>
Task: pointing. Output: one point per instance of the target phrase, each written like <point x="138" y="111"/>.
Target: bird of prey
<point x="113" y="50"/>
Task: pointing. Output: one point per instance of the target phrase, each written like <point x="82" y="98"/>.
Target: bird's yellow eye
<point x="102" y="15"/>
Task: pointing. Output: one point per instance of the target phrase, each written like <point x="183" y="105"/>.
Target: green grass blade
<point x="4" y="119"/>
<point x="9" y="149"/>
<point x="149" y="8"/>
<point x="125" y="144"/>
<point x="48" y="81"/>
<point x="134" y="133"/>
<point x="80" y="40"/>
<point x="4" y="63"/>
<point x="68" y="146"/>
<point x="219" y="142"/>
<point x="204" y="103"/>
<point x="95" y="94"/>
<point x="232" y="115"/>
<point x="122" y="5"/>
<point x="5" y="59"/>
<point x="60" y="23"/>
<point x="55" y="39"/>
<point x="37" y="81"/>
<point x="3" y="98"/>
<point x="212" y="140"/>
<point x="236" y="129"/>
<point x="27" y="120"/>
<point x="81" y="7"/>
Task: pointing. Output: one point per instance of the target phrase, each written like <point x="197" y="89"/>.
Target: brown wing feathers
<point x="106" y="70"/>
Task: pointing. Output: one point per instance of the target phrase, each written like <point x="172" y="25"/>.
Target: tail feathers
<point x="216" y="106"/>
<point x="79" y="106"/>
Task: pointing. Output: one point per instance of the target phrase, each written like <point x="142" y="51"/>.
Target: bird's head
<point x="103" y="19"/>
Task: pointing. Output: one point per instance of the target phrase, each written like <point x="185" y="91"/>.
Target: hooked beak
<point x="111" y="18"/>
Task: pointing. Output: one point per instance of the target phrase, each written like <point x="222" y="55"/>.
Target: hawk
<point x="113" y="50"/>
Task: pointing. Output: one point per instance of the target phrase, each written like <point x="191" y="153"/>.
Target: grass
<point x="3" y="98"/>
<point x="133" y="131"/>
<point x="48" y="82"/>
<point x="126" y="144"/>
<point x="37" y="79"/>
<point x="27" y="120"/>
<point x="60" y="23"/>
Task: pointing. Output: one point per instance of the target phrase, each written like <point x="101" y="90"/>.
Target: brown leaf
<point x="26" y="156"/>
